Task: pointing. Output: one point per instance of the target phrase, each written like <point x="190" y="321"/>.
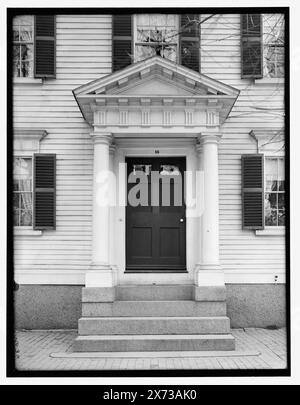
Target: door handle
<point x="181" y="220"/>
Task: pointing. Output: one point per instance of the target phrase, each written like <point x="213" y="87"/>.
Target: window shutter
<point x="189" y="41"/>
<point x="44" y="191"/>
<point x="122" y="41"/>
<point x="251" y="46"/>
<point x="253" y="191"/>
<point x="44" y="49"/>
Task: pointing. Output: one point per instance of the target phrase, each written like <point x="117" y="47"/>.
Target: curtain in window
<point x="23" y="184"/>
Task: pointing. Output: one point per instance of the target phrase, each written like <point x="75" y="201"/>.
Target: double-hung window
<point x="156" y="34"/>
<point x="22" y="191"/>
<point x="273" y="40"/>
<point x="34" y="50"/>
<point x="23" y="46"/>
<point x="274" y="191"/>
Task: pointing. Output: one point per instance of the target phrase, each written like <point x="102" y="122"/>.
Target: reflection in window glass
<point x="273" y="39"/>
<point x="156" y="34"/>
<point x="169" y="170"/>
<point x="22" y="198"/>
<point x="23" y="46"/>
<point x="142" y="168"/>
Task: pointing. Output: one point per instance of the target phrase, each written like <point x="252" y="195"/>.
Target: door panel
<point x="155" y="234"/>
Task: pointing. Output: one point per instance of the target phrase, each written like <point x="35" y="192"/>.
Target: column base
<point x="209" y="275"/>
<point x="100" y="275"/>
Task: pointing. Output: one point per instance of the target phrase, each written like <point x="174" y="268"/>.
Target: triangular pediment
<point x="153" y="78"/>
<point x="173" y="75"/>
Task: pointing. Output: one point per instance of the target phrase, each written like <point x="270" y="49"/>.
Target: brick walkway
<point x="255" y="349"/>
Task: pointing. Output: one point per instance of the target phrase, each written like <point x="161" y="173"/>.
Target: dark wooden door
<point x="155" y="216"/>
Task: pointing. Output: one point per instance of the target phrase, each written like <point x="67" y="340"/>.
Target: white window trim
<point x="271" y="231"/>
<point x="278" y="81"/>
<point x="17" y="81"/>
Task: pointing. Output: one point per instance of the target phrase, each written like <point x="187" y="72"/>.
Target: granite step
<point x="154" y="308"/>
<point x="149" y="343"/>
<point x="153" y="325"/>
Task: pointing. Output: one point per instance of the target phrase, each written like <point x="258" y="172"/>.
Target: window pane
<point x="27" y="60"/>
<point x="281" y="217"/>
<point x="142" y="168"/>
<point x="271" y="170"/>
<point x="169" y="170"/>
<point x="16" y="60"/>
<point x="26" y="34"/>
<point x="271" y="209"/>
<point x="22" y="168"/>
<point x="16" y="217"/>
<point x="26" y="218"/>
<point x="281" y="203"/>
<point x="16" y="200"/>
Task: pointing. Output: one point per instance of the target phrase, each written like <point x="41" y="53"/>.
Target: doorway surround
<point x="156" y="108"/>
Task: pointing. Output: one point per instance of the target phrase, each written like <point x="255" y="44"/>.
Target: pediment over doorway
<point x="155" y="92"/>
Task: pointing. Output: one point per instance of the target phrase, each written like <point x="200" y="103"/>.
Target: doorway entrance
<point x="155" y="215"/>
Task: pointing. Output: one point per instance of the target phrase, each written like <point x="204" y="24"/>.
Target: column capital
<point x="209" y="137"/>
<point x="102" y="138"/>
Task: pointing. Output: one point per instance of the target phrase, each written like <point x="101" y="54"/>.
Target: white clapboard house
<point x="104" y="105"/>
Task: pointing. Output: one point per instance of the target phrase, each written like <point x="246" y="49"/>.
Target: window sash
<point x="21" y="207"/>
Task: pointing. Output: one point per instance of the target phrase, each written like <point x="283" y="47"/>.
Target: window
<point x="22" y="191"/>
<point x="156" y="34"/>
<point x="273" y="40"/>
<point x="23" y="40"/>
<point x="274" y="191"/>
<point x="34" y="46"/>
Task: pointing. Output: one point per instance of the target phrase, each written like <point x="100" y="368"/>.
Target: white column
<point x="208" y="271"/>
<point x="100" y="273"/>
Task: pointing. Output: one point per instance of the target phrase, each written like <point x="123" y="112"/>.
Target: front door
<point x="155" y="215"/>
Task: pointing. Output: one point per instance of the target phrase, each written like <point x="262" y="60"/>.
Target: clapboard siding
<point x="240" y="250"/>
<point x="83" y="54"/>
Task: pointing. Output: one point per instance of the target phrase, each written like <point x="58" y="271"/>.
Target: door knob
<point x="181" y="219"/>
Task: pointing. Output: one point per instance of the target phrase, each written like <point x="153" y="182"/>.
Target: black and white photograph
<point x="148" y="191"/>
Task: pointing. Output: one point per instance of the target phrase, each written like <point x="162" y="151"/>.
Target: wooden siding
<point x="83" y="54"/>
<point x="240" y="250"/>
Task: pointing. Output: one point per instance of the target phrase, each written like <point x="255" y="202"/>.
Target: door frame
<point x="126" y="147"/>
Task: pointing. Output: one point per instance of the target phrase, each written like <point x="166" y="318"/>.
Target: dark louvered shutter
<point x="45" y="51"/>
<point x="189" y="41"/>
<point x="44" y="191"/>
<point x="122" y="41"/>
<point x="251" y="46"/>
<point x="253" y="191"/>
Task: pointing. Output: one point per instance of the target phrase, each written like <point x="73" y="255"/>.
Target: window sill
<point x="20" y="231"/>
<point x="280" y="231"/>
<point x="270" y="80"/>
<point x="26" y="80"/>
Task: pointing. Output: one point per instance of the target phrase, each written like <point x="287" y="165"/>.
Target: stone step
<point x="154" y="308"/>
<point x="153" y="325"/>
<point x="149" y="343"/>
<point x="153" y="293"/>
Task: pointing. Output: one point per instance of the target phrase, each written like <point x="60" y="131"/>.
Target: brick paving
<point x="255" y="349"/>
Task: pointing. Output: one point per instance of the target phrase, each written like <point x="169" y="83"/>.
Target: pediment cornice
<point x="151" y="85"/>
